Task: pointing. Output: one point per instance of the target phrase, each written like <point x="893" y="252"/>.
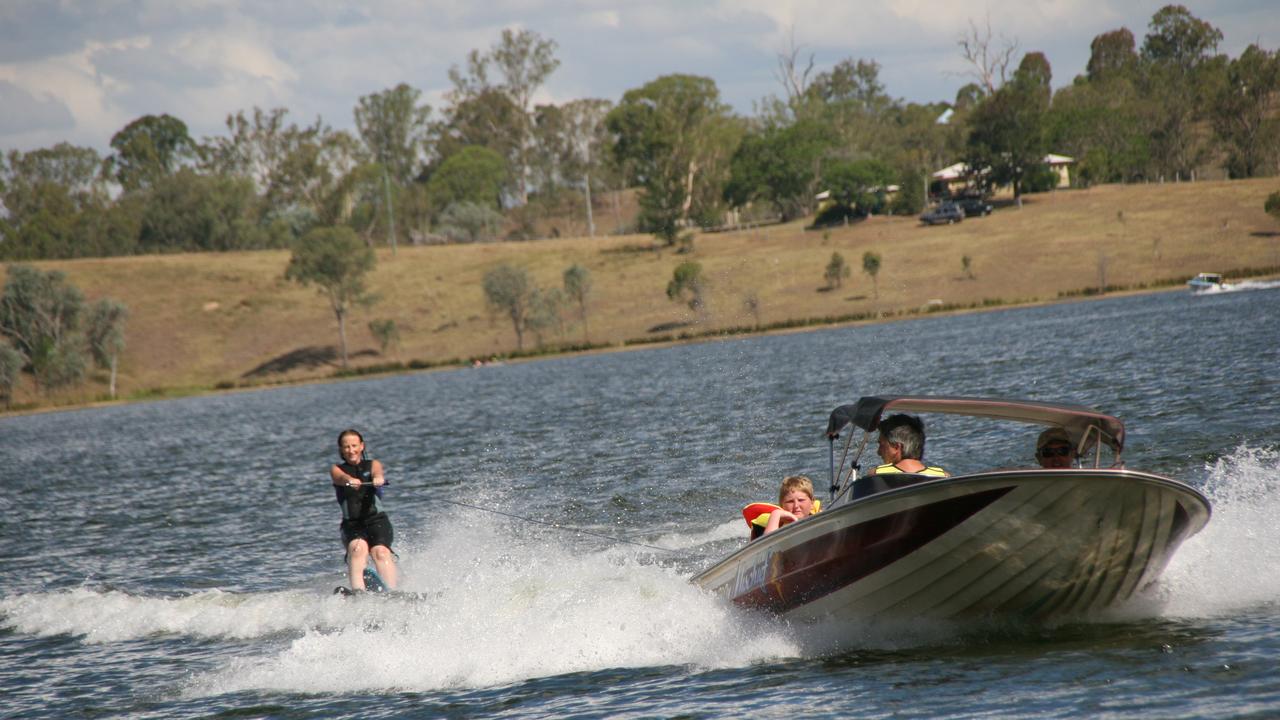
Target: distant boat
<point x="1206" y="281"/>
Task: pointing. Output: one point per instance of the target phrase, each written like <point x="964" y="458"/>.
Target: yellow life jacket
<point x="763" y="518"/>
<point x="891" y="469"/>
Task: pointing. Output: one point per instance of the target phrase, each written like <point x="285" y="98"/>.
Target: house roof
<point x="952" y="172"/>
<point x="961" y="169"/>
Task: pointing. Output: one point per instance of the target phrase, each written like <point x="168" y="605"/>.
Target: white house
<point x="956" y="177"/>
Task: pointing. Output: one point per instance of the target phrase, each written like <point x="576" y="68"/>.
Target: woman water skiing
<point x="366" y="529"/>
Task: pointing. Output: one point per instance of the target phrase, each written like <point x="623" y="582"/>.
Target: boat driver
<point x="1054" y="449"/>
<point x="901" y="446"/>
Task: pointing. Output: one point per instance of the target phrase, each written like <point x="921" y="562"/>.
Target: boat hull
<point x="1031" y="544"/>
<point x="1205" y="282"/>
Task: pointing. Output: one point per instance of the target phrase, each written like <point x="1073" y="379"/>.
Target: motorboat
<point x="1205" y="282"/>
<point x="1023" y="543"/>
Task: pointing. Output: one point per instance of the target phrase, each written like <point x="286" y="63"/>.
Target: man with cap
<point x="1054" y="450"/>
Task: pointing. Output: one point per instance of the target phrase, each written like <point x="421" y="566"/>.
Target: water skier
<point x="366" y="529"/>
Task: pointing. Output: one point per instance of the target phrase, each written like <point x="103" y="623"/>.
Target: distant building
<point x="951" y="180"/>
<point x="959" y="178"/>
<point x="886" y="195"/>
<point x="1061" y="164"/>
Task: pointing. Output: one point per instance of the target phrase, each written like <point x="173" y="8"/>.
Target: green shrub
<point x="386" y="332"/>
<point x="910" y="197"/>
<point x="835" y="214"/>
<point x="1040" y="178"/>
<point x="837" y="271"/>
<point x="1272" y="205"/>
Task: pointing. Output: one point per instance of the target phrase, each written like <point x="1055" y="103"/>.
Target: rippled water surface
<point x="175" y="559"/>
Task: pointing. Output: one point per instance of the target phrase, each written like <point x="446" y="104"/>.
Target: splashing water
<point x="1231" y="565"/>
<point x="1242" y="286"/>
<point x="107" y="616"/>
<point x="497" y="612"/>
<point x="480" y="607"/>
<point x="478" y="612"/>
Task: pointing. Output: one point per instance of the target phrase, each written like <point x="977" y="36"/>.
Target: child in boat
<point x="366" y="529"/>
<point x="796" y="502"/>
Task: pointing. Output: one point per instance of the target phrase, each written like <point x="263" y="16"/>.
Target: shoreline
<point x="626" y="346"/>
<point x="209" y="323"/>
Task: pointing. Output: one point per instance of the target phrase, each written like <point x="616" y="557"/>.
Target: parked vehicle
<point x="946" y="213"/>
<point x="974" y="206"/>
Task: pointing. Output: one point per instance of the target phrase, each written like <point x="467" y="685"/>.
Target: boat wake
<point x="1241" y="286"/>
<point x="482" y="606"/>
<point x="486" y="605"/>
<point x="100" y="616"/>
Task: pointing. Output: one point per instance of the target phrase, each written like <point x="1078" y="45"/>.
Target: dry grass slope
<point x="204" y="320"/>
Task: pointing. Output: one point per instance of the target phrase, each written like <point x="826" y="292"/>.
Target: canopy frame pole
<point x="840" y="488"/>
<point x="831" y="474"/>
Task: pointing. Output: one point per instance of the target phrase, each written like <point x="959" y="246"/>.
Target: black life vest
<point x="358" y="503"/>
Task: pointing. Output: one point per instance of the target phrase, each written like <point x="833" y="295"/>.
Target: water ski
<point x="372" y="583"/>
<point x="372" y="580"/>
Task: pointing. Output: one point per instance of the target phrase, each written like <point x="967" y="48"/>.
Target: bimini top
<point x="1084" y="424"/>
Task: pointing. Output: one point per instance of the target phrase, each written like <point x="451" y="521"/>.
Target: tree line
<point x="491" y="163"/>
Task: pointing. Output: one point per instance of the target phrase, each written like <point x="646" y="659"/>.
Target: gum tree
<point x="509" y="290"/>
<point x="577" y="286"/>
<point x="150" y="149"/>
<point x="1007" y="128"/>
<point x="106" y="335"/>
<point x="336" y="262"/>
<point x="837" y="270"/>
<point x="40" y="314"/>
<point x="688" y="286"/>
<point x="11" y="362"/>
<point x="676" y="138"/>
<point x="871" y="266"/>
<point x="394" y="129"/>
<point x="522" y="60"/>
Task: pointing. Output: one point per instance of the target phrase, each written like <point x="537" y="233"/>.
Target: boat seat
<point x="872" y="484"/>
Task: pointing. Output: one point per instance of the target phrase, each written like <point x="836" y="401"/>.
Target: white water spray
<point x="481" y="607"/>
<point x="1230" y="566"/>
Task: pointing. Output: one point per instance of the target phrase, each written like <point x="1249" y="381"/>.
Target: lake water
<point x="175" y="559"/>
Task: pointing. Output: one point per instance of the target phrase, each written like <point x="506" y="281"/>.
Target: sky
<point x="80" y="70"/>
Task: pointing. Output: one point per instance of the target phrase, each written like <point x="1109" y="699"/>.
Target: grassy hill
<point x="201" y="321"/>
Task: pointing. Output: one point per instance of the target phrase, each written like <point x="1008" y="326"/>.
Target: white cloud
<point x="27" y="113"/>
<point x="604" y="18"/>
<point x="108" y="62"/>
<point x="235" y="54"/>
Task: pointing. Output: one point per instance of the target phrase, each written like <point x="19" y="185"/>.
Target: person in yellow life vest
<point x="796" y="502"/>
<point x="901" y="446"/>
